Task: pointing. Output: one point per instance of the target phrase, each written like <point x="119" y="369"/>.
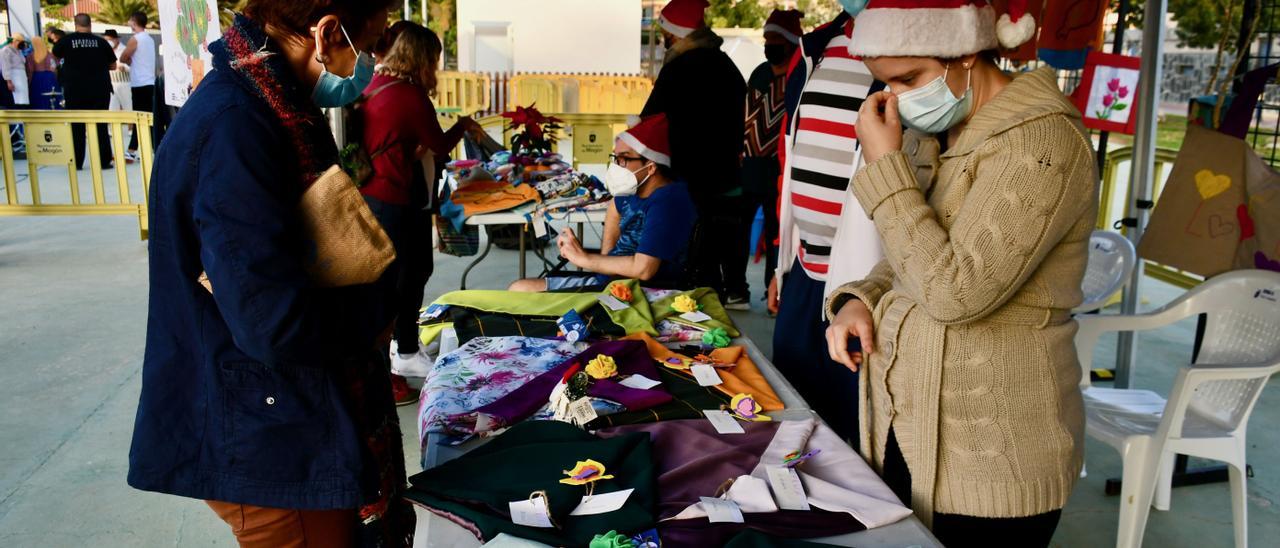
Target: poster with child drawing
<point x="187" y="27"/>
<point x="1108" y="92"/>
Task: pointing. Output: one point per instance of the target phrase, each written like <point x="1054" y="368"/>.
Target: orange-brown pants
<point x="258" y="527"/>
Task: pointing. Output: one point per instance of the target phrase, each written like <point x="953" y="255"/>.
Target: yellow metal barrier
<point x="1112" y="205"/>
<point x="56" y="125"/>
<point x="580" y="93"/>
<point x="462" y="93"/>
<point x="544" y="91"/>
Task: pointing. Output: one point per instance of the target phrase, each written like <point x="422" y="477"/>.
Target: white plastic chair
<point x="1208" y="409"/>
<point x="1111" y="263"/>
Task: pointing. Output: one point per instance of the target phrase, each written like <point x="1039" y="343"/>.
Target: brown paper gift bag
<point x="1205" y="221"/>
<point x="351" y="248"/>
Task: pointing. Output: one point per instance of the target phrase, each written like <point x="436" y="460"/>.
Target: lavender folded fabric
<point x="632" y="358"/>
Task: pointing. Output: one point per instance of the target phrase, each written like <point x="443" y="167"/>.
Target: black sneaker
<point x="737" y="301"/>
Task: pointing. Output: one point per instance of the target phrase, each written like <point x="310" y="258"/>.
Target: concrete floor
<point x="73" y="294"/>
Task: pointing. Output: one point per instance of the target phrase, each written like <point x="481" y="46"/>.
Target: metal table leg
<point x="523" y="228"/>
<point x="487" y="246"/>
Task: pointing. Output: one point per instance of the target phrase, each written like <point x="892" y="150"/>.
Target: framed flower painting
<point x="1108" y="92"/>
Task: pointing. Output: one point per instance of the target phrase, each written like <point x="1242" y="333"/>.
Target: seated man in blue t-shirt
<point x="649" y="223"/>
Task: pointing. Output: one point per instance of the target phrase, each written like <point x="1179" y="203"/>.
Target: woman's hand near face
<point x="879" y="132"/>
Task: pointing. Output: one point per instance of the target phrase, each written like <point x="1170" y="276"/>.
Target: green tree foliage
<point x="818" y="12"/>
<point x="736" y="13"/>
<point x="117" y="12"/>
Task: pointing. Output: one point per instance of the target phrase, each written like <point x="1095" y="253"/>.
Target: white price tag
<point x="539" y="227"/>
<point x="723" y="422"/>
<point x="530" y="513"/>
<point x="639" y="382"/>
<point x="697" y="316"/>
<point x="612" y="302"/>
<point x="601" y="504"/>
<point x="582" y="411"/>
<point x="483" y="423"/>
<point x="787" y="489"/>
<point x="705" y="374"/>
<point x="721" y="511"/>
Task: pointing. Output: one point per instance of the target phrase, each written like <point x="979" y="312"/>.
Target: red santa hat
<point x="785" y="23"/>
<point x="938" y="28"/>
<point x="650" y="138"/>
<point x="681" y="17"/>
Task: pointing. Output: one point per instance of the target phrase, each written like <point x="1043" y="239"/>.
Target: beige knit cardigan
<point x="985" y="248"/>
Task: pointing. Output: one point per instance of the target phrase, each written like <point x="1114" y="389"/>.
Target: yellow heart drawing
<point x="1211" y="184"/>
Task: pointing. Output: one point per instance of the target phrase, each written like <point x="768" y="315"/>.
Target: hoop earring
<point x="322" y="59"/>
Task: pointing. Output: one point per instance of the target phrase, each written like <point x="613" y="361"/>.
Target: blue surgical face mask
<point x="334" y="91"/>
<point x="854" y="7"/>
<point x="932" y="108"/>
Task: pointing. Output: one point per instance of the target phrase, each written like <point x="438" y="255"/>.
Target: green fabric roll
<point x="709" y="303"/>
<point x="689" y="400"/>
<point x="612" y="539"/>
<point x="637" y="318"/>
<point x="530" y="457"/>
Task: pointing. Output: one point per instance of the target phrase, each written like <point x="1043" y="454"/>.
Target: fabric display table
<point x="522" y="216"/>
<point x="686" y="459"/>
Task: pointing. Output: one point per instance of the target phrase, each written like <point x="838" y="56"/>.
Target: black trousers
<point x="404" y="282"/>
<point x="760" y="190"/>
<point x="957" y="531"/>
<point x="800" y="353"/>
<point x="90" y="102"/>
<point x="719" y="251"/>
<point x="143" y="101"/>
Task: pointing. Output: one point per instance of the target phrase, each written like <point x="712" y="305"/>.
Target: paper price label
<point x="612" y="302"/>
<point x="601" y="504"/>
<point x="696" y="316"/>
<point x="723" y="422"/>
<point x="721" y="511"/>
<point x="639" y="382"/>
<point x="582" y="411"/>
<point x="530" y="513"/>
<point x="788" y="491"/>
<point x="705" y="374"/>
<point x="539" y="227"/>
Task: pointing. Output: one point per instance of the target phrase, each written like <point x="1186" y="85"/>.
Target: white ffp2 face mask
<point x="621" y="181"/>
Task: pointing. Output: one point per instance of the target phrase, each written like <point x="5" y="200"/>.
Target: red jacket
<point x="398" y="120"/>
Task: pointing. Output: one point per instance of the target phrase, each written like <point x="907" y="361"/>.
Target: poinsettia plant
<point x="532" y="132"/>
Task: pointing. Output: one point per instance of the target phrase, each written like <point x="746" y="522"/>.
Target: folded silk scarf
<point x="743" y="378"/>
<point x="694" y="461"/>
<point x="482" y="371"/>
<point x="632" y="358"/>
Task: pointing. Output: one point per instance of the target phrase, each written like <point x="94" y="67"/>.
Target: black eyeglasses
<point x="624" y="160"/>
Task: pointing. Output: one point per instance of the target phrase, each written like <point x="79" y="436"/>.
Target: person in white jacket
<point x="824" y="238"/>
<point x="14" y="65"/>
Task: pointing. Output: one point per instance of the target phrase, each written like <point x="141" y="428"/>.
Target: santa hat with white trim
<point x="650" y="138"/>
<point x="938" y="28"/>
<point x="681" y="17"/>
<point x="785" y="23"/>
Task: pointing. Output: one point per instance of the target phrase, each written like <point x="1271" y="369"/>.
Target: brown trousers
<point x="258" y="527"/>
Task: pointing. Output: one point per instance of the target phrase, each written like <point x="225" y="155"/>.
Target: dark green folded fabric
<point x="532" y="456"/>
<point x="689" y="400"/>
<point x="470" y="323"/>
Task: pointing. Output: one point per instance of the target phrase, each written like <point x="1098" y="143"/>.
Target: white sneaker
<point x="417" y="365"/>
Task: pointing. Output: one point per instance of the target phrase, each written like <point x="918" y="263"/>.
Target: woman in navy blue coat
<point x="264" y="396"/>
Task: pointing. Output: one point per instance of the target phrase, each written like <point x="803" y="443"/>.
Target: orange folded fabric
<point x="477" y="197"/>
<point x="743" y="378"/>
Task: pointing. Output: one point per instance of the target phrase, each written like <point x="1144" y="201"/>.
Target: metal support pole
<point x="1143" y="170"/>
<point x="1117" y="47"/>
